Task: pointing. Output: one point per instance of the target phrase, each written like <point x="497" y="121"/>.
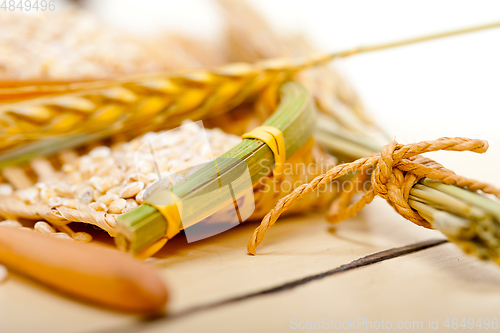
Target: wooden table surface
<point x="373" y="267"/>
<point x="376" y="266"/>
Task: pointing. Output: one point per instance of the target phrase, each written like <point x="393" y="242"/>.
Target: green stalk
<point x="46" y="147"/>
<point x="443" y="201"/>
<point x="295" y="117"/>
<point x="467" y="196"/>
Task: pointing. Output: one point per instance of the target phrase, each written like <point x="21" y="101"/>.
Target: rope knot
<point x="394" y="172"/>
<point x="383" y="170"/>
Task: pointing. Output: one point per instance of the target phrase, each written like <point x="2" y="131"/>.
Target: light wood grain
<point x="218" y="268"/>
<point x="433" y="284"/>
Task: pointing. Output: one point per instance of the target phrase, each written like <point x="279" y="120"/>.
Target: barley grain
<point x="117" y="206"/>
<point x="114" y="190"/>
<point x="103" y="184"/>
<point x="131" y="190"/>
<point x="99" y="207"/>
<point x="108" y="198"/>
<point x="44" y="228"/>
<point x="100" y="152"/>
<point x="55" y="202"/>
<point x="68" y="168"/>
<point x="62" y="189"/>
<point x="82" y="207"/>
<point x="11" y="223"/>
<point x="152" y="177"/>
<point x="29" y="195"/>
<point x="82" y="237"/>
<point x="86" y="196"/>
<point x="144" y="167"/>
<point x="136" y="177"/>
<point x="140" y="196"/>
<point x="46" y="194"/>
<point x="97" y="195"/>
<point x="62" y="235"/>
<point x="117" y="174"/>
<point x="70" y="203"/>
<point x="131" y="204"/>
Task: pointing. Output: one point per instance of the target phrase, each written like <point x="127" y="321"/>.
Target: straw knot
<point x="384" y="169"/>
<point x="393" y="173"/>
<point x="394" y="184"/>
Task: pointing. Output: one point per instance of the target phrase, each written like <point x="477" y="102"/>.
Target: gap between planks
<point x="364" y="261"/>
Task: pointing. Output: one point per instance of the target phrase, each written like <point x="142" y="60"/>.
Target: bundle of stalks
<point x="467" y="214"/>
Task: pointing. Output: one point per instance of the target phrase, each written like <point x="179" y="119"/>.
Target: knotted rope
<point x="394" y="172"/>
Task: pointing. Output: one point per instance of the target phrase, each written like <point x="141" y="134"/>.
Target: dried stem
<point x="383" y="46"/>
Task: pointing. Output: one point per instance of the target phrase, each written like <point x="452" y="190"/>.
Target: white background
<point x="448" y="87"/>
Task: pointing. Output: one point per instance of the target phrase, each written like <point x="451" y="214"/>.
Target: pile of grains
<point x="114" y="180"/>
<point x="69" y="43"/>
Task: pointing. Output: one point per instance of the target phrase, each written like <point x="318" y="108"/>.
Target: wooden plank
<point x="416" y="290"/>
<point x="365" y="261"/>
<point x="219" y="268"/>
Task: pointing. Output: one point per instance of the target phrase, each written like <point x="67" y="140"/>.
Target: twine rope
<point x="394" y="172"/>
